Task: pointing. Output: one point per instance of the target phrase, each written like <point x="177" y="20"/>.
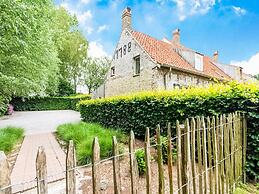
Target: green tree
<point x="94" y="73"/>
<point x="72" y="46"/>
<point x="256" y="76"/>
<point x="28" y="55"/>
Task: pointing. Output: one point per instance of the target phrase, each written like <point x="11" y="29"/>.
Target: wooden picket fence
<point x="211" y="155"/>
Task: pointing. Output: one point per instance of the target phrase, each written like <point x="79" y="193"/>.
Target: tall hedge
<point x="147" y="109"/>
<point x="47" y="103"/>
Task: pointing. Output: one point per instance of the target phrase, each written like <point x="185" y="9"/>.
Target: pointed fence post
<point x="133" y="164"/>
<point x="116" y="167"/>
<point x="41" y="172"/>
<point x="215" y="154"/>
<point x="96" y="166"/>
<point x="199" y="155"/>
<point x="209" y="140"/>
<point x="170" y="158"/>
<point x="179" y="157"/>
<point x="205" y="160"/>
<point x="193" y="127"/>
<point x="5" y="174"/>
<point x="161" y="185"/>
<point x="70" y="169"/>
<point x="147" y="160"/>
<point x="244" y="126"/>
<point x="186" y="158"/>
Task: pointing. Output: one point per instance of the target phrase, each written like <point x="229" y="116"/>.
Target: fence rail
<point x="211" y="156"/>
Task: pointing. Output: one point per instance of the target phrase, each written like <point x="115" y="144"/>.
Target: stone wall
<point x="124" y="81"/>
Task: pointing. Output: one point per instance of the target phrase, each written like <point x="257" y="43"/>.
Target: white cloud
<point x="186" y="8"/>
<point x="250" y="66"/>
<point x="84" y="17"/>
<point x="85" y="1"/>
<point x="239" y="11"/>
<point x="102" y="28"/>
<point x="96" y="50"/>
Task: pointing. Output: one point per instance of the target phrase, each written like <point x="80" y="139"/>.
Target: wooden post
<point x="179" y="157"/>
<point x="199" y="154"/>
<point x="70" y="169"/>
<point x="41" y="172"/>
<point x="223" y="165"/>
<point x="231" y="159"/>
<point x="116" y="167"/>
<point x="95" y="166"/>
<point x="161" y="189"/>
<point x="205" y="160"/>
<point x="5" y="174"/>
<point x="215" y="154"/>
<point x="186" y="157"/>
<point x="227" y="157"/>
<point x="211" y="183"/>
<point x="170" y="158"/>
<point x="219" y="137"/>
<point x="133" y="169"/>
<point x="147" y="159"/>
<point x="193" y="158"/>
<point x="244" y="126"/>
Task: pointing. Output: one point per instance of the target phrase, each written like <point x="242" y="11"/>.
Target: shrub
<point x="48" y="103"/>
<point x="140" y="157"/>
<point x="147" y="109"/>
<point x="83" y="133"/>
<point x="9" y="136"/>
<point x="65" y="88"/>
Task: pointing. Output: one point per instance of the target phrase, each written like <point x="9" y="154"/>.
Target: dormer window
<point x="137" y="65"/>
<point x="112" y="71"/>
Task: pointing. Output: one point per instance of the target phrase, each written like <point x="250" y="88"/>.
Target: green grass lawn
<point x="9" y="136"/>
<point x="83" y="133"/>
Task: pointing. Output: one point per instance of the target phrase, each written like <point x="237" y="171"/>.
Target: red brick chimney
<point x="126" y="19"/>
<point x="216" y="56"/>
<point x="176" y="36"/>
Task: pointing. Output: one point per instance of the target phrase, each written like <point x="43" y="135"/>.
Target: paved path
<point x="35" y="122"/>
<point x="38" y="126"/>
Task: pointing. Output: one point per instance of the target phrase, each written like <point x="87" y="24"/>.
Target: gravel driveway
<point x="35" y="122"/>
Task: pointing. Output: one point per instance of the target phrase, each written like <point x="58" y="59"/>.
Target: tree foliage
<point x="94" y="72"/>
<point x="72" y="46"/>
<point x="28" y="56"/>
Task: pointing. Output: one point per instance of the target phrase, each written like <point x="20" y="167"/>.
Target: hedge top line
<point x="248" y="90"/>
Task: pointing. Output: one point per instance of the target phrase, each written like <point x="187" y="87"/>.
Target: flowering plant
<point x="10" y="109"/>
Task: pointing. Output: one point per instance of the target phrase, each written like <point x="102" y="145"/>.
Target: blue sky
<point x="229" y="26"/>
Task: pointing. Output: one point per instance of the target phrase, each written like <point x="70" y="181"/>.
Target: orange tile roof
<point x="165" y="54"/>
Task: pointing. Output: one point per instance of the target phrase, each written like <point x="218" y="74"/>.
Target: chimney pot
<point x="216" y="56"/>
<point x="176" y="36"/>
<point x="126" y="19"/>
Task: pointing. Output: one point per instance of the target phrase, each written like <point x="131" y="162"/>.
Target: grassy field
<point x="83" y="133"/>
<point x="10" y="136"/>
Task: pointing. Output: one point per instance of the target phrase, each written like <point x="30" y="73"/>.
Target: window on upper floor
<point x="137" y="65"/>
<point x="112" y="71"/>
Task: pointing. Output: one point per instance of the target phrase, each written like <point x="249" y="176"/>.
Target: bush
<point x="140" y="157"/>
<point x="48" y="103"/>
<point x="65" y="88"/>
<point x="83" y="133"/>
<point x="147" y="109"/>
<point x="9" y="136"/>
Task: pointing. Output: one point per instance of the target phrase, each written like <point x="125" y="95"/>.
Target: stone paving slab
<point x="24" y="168"/>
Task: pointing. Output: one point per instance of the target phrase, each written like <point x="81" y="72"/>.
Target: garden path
<point x="38" y="126"/>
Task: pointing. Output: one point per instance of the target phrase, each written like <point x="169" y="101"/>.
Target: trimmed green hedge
<point x="147" y="109"/>
<point x="48" y="103"/>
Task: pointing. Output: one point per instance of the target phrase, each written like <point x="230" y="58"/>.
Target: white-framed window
<point x="112" y="71"/>
<point x="137" y="65"/>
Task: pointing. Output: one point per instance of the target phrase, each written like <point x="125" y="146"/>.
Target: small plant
<point x="140" y="157"/>
<point x="165" y="147"/>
